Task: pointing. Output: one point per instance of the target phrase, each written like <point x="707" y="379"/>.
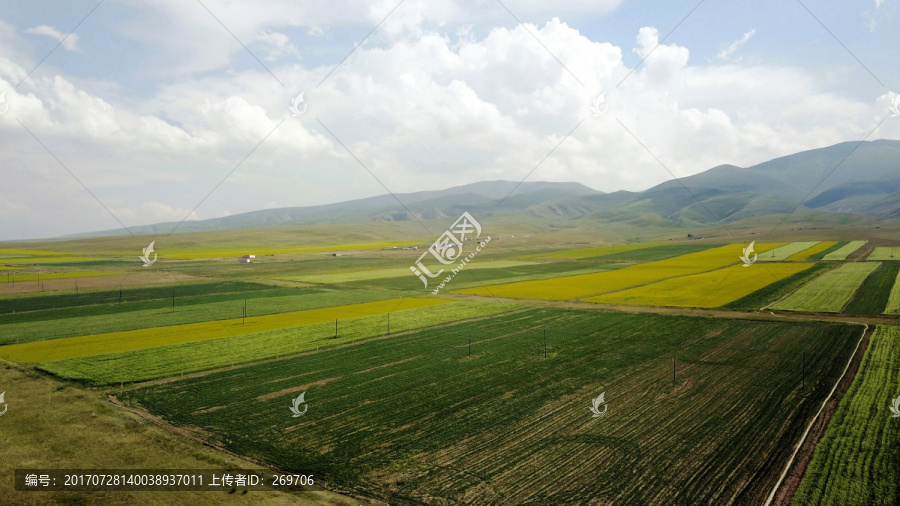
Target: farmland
<point x="782" y="253"/>
<point x="573" y="287"/>
<point x="872" y="296"/>
<point x="856" y="460"/>
<point x="398" y="409"/>
<point x="884" y="253"/>
<point x="708" y="289"/>
<point x="170" y="360"/>
<point x="58" y="349"/>
<point x="845" y="251"/>
<point x="414" y="418"/>
<point x="893" y="303"/>
<point x="830" y="292"/>
<point x="811" y="253"/>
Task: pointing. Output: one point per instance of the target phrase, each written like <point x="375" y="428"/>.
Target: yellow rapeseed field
<point x="583" y="285"/>
<point x="708" y="289"/>
<point x="805" y="254"/>
<point x="113" y="342"/>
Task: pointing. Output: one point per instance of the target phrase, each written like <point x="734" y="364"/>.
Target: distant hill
<point x="849" y="178"/>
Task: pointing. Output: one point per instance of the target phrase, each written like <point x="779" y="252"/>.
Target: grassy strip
<point x="856" y="462"/>
<point x="777" y="290"/>
<point x="162" y="315"/>
<point x="820" y="255"/>
<point x="893" y="304"/>
<point x="830" y="292"/>
<point x="166" y="361"/>
<point x="872" y="296"/>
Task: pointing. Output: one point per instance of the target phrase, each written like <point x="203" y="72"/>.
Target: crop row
<point x="873" y="295"/>
<point x="784" y="252"/>
<point x="164" y="361"/>
<point x="885" y="253"/>
<point x="70" y="322"/>
<point x="856" y="460"/>
<point x="415" y="419"/>
<point x="95" y="344"/>
<point x="845" y="251"/>
<point x="573" y="287"/>
<point x="823" y="248"/>
<point x="708" y="289"/>
<point x="830" y="292"/>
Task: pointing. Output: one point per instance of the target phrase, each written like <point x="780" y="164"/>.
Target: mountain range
<point x="850" y="178"/>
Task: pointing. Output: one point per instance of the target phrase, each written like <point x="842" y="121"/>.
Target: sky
<point x="125" y="112"/>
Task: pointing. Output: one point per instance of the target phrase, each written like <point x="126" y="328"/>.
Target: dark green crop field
<point x="412" y="418"/>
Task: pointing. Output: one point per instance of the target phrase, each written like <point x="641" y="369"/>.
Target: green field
<point x="413" y="418"/>
<point x="845" y="251"/>
<point x="857" y="462"/>
<point x="786" y="251"/>
<point x="830" y="292"/>
<point x="883" y="253"/>
<point x="872" y="296"/>
<point x="893" y="304"/>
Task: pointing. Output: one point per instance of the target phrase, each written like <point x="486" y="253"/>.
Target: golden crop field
<point x="575" y="287"/>
<point x="708" y="289"/>
<point x="58" y="349"/>
<point x="805" y="254"/>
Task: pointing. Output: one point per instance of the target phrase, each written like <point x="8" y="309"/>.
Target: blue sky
<point x="151" y="104"/>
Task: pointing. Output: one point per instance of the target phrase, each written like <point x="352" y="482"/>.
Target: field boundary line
<point x="815" y="418"/>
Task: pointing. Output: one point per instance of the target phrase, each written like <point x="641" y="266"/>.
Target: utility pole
<point x="545" y="343"/>
<point x="173" y="300"/>
<point x="335" y="328"/>
<point x="470" y="346"/>
<point x="673" y="370"/>
<point x="389" y="323"/>
<point x="244" y="318"/>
